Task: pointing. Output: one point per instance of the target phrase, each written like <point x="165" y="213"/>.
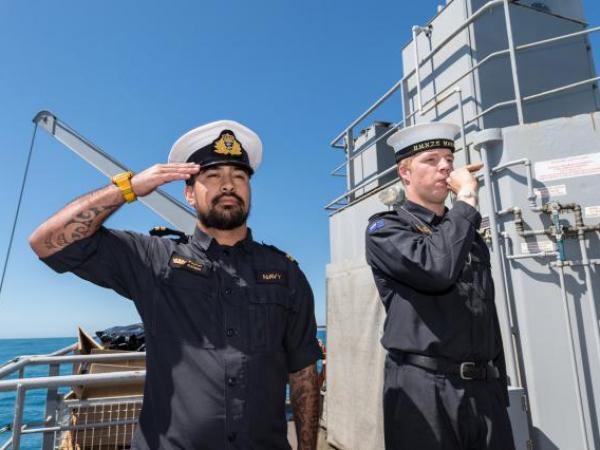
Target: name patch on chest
<point x="181" y="262"/>
<point x="271" y="277"/>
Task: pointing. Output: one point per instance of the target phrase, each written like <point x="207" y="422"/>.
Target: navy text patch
<point x="271" y="277"/>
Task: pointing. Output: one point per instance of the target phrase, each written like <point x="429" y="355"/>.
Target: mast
<point x="173" y="211"/>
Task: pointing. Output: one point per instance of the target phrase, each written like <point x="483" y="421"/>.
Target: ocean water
<point x="35" y="399"/>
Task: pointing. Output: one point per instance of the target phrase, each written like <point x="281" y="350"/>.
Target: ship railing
<point x="19" y="363"/>
<point x="122" y="411"/>
<point x="345" y="139"/>
<point x="54" y="360"/>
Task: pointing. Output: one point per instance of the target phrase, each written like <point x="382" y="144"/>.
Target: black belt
<point x="467" y="370"/>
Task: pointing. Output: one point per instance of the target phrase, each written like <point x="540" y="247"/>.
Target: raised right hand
<point x="464" y="178"/>
<point x="150" y="179"/>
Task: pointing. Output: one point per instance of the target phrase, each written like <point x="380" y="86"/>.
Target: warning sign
<point x="592" y="212"/>
<point x="571" y="167"/>
<point x="485" y="223"/>
<point x="537" y="247"/>
<point x="551" y="191"/>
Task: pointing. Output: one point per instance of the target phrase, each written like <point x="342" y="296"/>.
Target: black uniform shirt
<point x="224" y="327"/>
<point x="433" y="275"/>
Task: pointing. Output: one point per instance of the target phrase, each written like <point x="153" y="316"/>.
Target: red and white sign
<point x="571" y="167"/>
<point x="558" y="190"/>
<point x="537" y="247"/>
<point x="592" y="212"/>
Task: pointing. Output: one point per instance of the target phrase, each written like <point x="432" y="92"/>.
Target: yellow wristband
<point x="123" y="182"/>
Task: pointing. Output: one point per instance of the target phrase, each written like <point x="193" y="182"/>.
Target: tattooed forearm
<point x="81" y="226"/>
<point x="79" y="219"/>
<point x="304" y="387"/>
<point x="90" y="220"/>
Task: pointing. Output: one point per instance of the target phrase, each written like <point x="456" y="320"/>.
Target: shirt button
<point x="231" y="381"/>
<point x="230" y="332"/>
<point x="227" y="291"/>
<point x="231" y="437"/>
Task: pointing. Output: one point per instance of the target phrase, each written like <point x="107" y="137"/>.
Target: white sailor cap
<point x="220" y="142"/>
<point x="424" y="136"/>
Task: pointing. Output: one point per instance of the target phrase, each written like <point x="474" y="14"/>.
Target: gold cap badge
<point x="227" y="144"/>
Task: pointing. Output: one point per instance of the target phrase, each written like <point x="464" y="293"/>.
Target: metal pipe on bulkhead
<point x="480" y="142"/>
<point x="585" y="262"/>
<point x="572" y="351"/>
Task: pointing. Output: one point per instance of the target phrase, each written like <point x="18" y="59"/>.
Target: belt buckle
<point x="466" y="366"/>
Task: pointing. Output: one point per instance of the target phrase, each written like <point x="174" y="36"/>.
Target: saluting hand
<point x="464" y="178"/>
<point x="150" y="179"/>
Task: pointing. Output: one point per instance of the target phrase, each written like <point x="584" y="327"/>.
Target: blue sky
<point x="133" y="76"/>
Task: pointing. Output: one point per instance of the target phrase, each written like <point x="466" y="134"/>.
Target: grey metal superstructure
<point x="519" y="79"/>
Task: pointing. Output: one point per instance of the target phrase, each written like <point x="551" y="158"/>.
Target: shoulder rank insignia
<point x="423" y="229"/>
<point x="281" y="252"/>
<point x="378" y="224"/>
<point x="227" y="144"/>
<point x="180" y="236"/>
<point x="181" y="262"/>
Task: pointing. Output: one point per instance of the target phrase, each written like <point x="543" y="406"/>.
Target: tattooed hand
<point x="304" y="387"/>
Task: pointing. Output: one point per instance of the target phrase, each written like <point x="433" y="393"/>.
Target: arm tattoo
<point x="305" y="399"/>
<point x="79" y="219"/>
<point x="79" y="227"/>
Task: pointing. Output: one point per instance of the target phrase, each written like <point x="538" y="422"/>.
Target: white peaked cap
<point x="206" y="136"/>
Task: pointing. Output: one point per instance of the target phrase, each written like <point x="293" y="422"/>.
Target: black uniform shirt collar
<point x="246" y="243"/>
<point x="204" y="240"/>
<point x="424" y="214"/>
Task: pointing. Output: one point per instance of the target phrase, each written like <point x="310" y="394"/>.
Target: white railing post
<point x="349" y="138"/>
<point x="52" y="400"/>
<point x="415" y="33"/>
<point x="462" y="125"/>
<point x="513" y="63"/>
<point x="18" y="419"/>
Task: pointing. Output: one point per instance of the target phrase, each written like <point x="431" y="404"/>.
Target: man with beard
<point x="228" y="320"/>
<point x="445" y="385"/>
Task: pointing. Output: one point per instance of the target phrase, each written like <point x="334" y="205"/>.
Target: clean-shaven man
<point x="445" y="385"/>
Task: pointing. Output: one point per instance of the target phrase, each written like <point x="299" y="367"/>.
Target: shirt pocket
<point x="269" y="309"/>
<point x="185" y="308"/>
<point x="480" y="289"/>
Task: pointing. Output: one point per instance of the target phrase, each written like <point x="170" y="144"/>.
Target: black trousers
<point x="428" y="411"/>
